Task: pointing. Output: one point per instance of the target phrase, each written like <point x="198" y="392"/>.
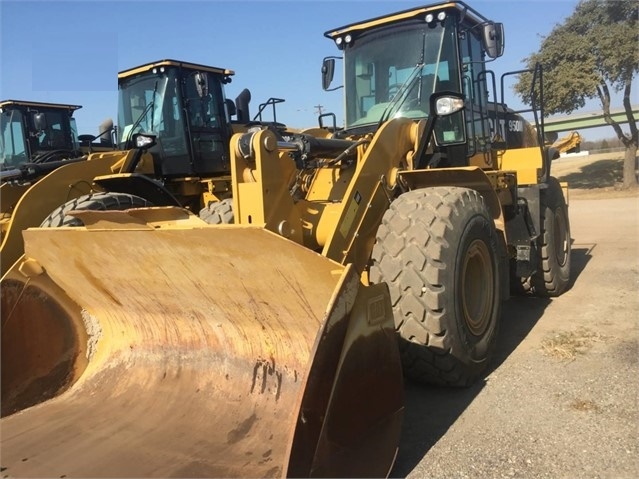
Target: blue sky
<point x="70" y="52"/>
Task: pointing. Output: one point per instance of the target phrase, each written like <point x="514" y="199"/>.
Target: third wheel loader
<point x="36" y="139"/>
<point x="267" y="347"/>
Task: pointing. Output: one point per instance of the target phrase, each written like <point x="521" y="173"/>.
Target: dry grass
<point x="567" y="345"/>
<point x="585" y="405"/>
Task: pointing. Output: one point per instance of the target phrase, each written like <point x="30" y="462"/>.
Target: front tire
<point x="218" y="212"/>
<point x="437" y="249"/>
<point x="92" y="202"/>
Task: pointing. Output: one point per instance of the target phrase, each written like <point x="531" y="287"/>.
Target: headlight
<point x="144" y="141"/>
<point x="447" y="105"/>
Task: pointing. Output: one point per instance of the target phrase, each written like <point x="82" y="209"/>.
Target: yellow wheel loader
<point x="182" y="104"/>
<point x="267" y="347"/>
<point x="179" y="113"/>
<point x="36" y="139"/>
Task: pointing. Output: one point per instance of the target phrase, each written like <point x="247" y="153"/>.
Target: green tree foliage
<point x="595" y="51"/>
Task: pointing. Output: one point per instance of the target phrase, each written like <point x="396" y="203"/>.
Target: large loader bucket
<point x="135" y="349"/>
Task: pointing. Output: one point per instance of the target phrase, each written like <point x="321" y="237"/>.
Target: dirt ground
<point x="561" y="399"/>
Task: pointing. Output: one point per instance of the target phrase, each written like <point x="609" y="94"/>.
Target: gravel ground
<point x="561" y="398"/>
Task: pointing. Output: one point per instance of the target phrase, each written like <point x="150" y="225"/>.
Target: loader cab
<point x="36" y="132"/>
<point x="184" y="106"/>
<point x="393" y="64"/>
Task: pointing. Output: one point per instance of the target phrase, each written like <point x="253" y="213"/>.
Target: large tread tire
<point x="437" y="249"/>
<point x="218" y="212"/>
<point x="92" y="202"/>
<point x="553" y="269"/>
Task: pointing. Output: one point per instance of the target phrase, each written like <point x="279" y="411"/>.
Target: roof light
<point x="441" y="16"/>
<point x="338" y="41"/>
<point x="429" y="18"/>
<point x="348" y="38"/>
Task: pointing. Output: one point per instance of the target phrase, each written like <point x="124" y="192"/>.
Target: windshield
<point x="149" y="104"/>
<point x="412" y="62"/>
<point x="140" y="106"/>
<point x="12" y="141"/>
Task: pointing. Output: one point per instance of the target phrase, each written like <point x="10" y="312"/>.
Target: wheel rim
<point x="477" y="287"/>
<point x="560" y="237"/>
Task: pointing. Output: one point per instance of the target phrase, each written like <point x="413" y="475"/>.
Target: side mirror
<point x="40" y="121"/>
<point x="493" y="39"/>
<point x="328" y="70"/>
<point x="230" y="107"/>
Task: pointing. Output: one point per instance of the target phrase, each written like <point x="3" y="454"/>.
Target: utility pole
<point x="319" y="108"/>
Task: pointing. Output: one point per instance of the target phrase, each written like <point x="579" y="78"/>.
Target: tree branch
<point x="604" y="96"/>
<point x="627" y="104"/>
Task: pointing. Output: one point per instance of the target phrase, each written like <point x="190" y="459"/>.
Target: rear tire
<point x="92" y="202"/>
<point x="437" y="249"/>
<point x="218" y="213"/>
<point x="553" y="268"/>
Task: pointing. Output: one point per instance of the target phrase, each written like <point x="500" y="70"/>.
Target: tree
<point x="594" y="51"/>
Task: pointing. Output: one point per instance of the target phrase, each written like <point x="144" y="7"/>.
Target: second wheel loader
<point x="180" y="113"/>
<point x="183" y="105"/>
<point x="168" y="346"/>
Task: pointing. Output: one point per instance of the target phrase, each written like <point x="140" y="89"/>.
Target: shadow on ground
<point x="600" y="174"/>
<point x="430" y="411"/>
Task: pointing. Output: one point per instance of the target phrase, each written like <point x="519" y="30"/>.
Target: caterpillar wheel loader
<point x="169" y="346"/>
<point x="446" y="299"/>
<point x="187" y="163"/>
<point x="179" y="113"/>
<point x="37" y="138"/>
